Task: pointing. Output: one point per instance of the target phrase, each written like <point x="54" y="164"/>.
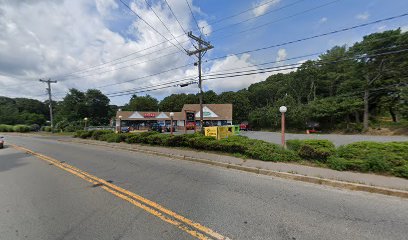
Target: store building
<point x="214" y="115"/>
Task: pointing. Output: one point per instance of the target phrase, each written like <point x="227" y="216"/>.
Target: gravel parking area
<point x="337" y="139"/>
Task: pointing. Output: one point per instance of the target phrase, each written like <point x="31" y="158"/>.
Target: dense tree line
<point x="346" y="86"/>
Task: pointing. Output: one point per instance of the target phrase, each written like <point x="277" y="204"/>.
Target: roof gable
<point x="207" y="113"/>
<point x="135" y="115"/>
<point x="162" y="115"/>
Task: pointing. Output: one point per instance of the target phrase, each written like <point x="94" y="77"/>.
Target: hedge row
<point x="15" y="128"/>
<point x="386" y="158"/>
<point x="256" y="149"/>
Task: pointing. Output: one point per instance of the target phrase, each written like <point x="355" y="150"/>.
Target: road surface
<point x="337" y="139"/>
<point x="40" y="200"/>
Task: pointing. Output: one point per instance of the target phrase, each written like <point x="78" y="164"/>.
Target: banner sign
<point x="149" y="115"/>
<point x="190" y="116"/>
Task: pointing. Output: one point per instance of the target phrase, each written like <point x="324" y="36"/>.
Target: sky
<point x="102" y="44"/>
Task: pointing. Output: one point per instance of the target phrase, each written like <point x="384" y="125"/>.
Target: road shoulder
<point x="391" y="186"/>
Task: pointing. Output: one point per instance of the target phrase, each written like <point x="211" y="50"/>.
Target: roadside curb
<point x="285" y="175"/>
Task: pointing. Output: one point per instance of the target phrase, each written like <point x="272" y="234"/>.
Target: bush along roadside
<point x="15" y="128"/>
<point x="385" y="158"/>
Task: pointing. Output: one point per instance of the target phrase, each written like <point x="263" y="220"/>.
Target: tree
<point x="97" y="107"/>
<point x="240" y="103"/>
<point x="142" y="103"/>
<point x="73" y="107"/>
<point x="373" y="69"/>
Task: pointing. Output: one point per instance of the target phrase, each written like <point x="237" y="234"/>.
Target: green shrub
<point x="46" y="128"/>
<point x="401" y="171"/>
<point x="6" y="128"/>
<point x="270" y="152"/>
<point x="312" y="149"/>
<point x="342" y="164"/>
<point x="294" y="144"/>
<point x="97" y="134"/>
<point x="394" y="152"/>
<point x="179" y="140"/>
<point x="157" y="139"/>
<point x="21" y="128"/>
<point x="111" y="137"/>
<point x="83" y="134"/>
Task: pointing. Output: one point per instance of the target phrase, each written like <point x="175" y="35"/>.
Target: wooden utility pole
<point x="50" y="99"/>
<point x="202" y="47"/>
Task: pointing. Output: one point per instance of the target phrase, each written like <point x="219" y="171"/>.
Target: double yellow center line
<point x="193" y="228"/>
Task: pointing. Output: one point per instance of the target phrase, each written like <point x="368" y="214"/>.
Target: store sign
<point x="190" y="116"/>
<point x="149" y="115"/>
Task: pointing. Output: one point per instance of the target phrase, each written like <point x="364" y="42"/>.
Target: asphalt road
<point x="42" y="201"/>
<point x="337" y="139"/>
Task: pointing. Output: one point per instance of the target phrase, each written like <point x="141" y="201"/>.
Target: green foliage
<point x="142" y="103"/>
<point x="83" y="134"/>
<point x="21" y="128"/>
<point x="6" y="128"/>
<point x="16" y="128"/>
<point x="401" y="171"/>
<point x="312" y="149"/>
<point x="391" y="158"/>
<point x="97" y="134"/>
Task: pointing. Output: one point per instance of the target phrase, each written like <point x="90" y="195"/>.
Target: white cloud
<point x="231" y="64"/>
<point x="404" y="28"/>
<point x="281" y="56"/>
<point x="363" y="16"/>
<point x="74" y="34"/>
<point x="381" y="28"/>
<point x="323" y="20"/>
<point x="263" y="6"/>
<point x="104" y="6"/>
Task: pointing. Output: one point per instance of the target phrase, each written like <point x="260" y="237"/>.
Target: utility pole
<point x="50" y="99"/>
<point x="203" y="46"/>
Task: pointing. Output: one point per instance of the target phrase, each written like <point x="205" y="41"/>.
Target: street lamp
<point x="85" y="121"/>
<point x="120" y="124"/>
<point x="171" y="122"/>
<point x="283" y="109"/>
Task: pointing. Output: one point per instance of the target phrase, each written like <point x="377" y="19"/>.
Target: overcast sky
<point x="63" y="39"/>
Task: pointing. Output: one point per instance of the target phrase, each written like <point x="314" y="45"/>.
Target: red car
<point x="244" y="126"/>
<point x="1" y="142"/>
<point x="191" y="125"/>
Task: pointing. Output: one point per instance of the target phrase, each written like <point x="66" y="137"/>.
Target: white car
<point x="1" y="142"/>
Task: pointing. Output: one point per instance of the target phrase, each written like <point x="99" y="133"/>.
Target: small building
<point x="213" y="115"/>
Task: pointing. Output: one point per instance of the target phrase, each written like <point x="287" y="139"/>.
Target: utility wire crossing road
<point x="52" y="189"/>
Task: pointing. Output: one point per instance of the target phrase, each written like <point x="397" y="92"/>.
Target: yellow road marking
<point x="153" y="208"/>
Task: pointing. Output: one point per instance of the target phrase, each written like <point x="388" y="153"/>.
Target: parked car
<point x="169" y="130"/>
<point x="244" y="126"/>
<point x="156" y="127"/>
<point x="191" y="125"/>
<point x="125" y="129"/>
<point x="1" y="142"/>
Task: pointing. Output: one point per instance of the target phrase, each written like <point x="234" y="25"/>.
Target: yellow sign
<point x="220" y="131"/>
<point x="211" y="131"/>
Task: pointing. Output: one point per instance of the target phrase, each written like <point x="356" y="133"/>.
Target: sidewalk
<point x="259" y="166"/>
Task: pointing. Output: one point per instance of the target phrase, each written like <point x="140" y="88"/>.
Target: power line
<point x="268" y="47"/>
<point x="274" y="21"/>
<point x="86" y="69"/>
<point x="261" y="15"/>
<point x="127" y="66"/>
<point x="147" y="3"/>
<point x="149" y="24"/>
<point x="264" y="70"/>
<point x="316" y="36"/>
<point x="303" y="39"/>
<point x="192" y="14"/>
